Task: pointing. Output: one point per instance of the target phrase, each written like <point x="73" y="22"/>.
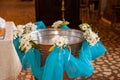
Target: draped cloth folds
<point x="60" y="60"/>
<point x="32" y="60"/>
<point x="16" y="45"/>
<point x="82" y="66"/>
<point x="57" y="62"/>
<point x="54" y="66"/>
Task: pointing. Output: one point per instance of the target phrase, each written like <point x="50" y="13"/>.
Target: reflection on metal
<point x="45" y="37"/>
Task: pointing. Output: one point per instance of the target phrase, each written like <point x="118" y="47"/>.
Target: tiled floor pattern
<point x="26" y="75"/>
<point x="107" y="67"/>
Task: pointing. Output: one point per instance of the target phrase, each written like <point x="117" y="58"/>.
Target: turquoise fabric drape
<point x="82" y="66"/>
<point x="76" y="67"/>
<point x="58" y="61"/>
<point x="16" y="43"/>
<point x="32" y="60"/>
<point x="40" y="25"/>
<point x="54" y="66"/>
<point x="97" y="50"/>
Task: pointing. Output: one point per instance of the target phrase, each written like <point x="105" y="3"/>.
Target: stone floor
<point x="107" y="67"/>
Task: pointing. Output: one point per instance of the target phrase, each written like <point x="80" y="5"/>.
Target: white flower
<point x="24" y="39"/>
<point x="20" y="26"/>
<point x="65" y="40"/>
<point x="27" y="37"/>
<point x="21" y="30"/>
<point x="25" y="42"/>
<point x="30" y="26"/>
<point x="53" y="40"/>
<point x="60" y="41"/>
<point x="17" y="33"/>
<point x="88" y="34"/>
<point x="92" y="38"/>
<point x="84" y="26"/>
<point x="59" y="23"/>
<point x="56" y="24"/>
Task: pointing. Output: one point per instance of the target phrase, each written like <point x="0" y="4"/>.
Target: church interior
<point x="103" y="15"/>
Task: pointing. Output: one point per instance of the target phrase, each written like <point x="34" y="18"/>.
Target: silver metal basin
<point x="75" y="38"/>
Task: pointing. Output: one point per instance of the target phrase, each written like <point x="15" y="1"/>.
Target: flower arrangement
<point x="59" y="23"/>
<point x="27" y="38"/>
<point x="88" y="34"/>
<point x="27" y="42"/>
<point x="60" y="41"/>
<point x="24" y="29"/>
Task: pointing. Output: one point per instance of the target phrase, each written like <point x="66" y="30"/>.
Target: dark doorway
<point x="50" y="10"/>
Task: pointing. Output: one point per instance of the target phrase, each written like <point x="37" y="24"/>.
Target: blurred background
<point x="103" y="15"/>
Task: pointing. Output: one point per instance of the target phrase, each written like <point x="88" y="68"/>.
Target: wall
<point x="109" y="11"/>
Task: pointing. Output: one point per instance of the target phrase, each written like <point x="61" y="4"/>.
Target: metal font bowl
<point x="75" y="38"/>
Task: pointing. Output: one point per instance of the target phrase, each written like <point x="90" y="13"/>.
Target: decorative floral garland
<point x="88" y="34"/>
